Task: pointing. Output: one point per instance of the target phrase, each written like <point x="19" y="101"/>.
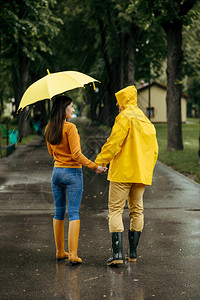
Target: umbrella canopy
<point x="54" y="84"/>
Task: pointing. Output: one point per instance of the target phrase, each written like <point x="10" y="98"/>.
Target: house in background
<point x="158" y="107"/>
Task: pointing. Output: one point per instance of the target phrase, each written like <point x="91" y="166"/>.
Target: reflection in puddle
<point x="67" y="281"/>
<point x="2" y="188"/>
<point x="121" y="283"/>
<point x="116" y="283"/>
<point x="124" y="283"/>
<point x="133" y="277"/>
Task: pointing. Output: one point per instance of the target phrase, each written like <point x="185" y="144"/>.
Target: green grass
<point x="185" y="161"/>
<point x="27" y="139"/>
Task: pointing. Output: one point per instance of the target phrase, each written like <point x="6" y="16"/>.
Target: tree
<point x="172" y="15"/>
<point x="107" y="40"/>
<point x="27" y="30"/>
<point x="123" y="36"/>
<point x="191" y="62"/>
<point x="77" y="46"/>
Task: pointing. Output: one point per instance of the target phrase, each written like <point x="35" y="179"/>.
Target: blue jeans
<point x="70" y="181"/>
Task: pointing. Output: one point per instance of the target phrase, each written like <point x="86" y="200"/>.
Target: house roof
<point x="145" y="85"/>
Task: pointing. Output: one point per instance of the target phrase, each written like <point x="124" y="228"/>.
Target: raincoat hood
<point x="127" y="97"/>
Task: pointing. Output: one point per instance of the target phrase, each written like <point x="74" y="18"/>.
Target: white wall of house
<point x="158" y="103"/>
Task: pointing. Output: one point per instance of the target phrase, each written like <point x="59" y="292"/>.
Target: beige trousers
<point x="118" y="194"/>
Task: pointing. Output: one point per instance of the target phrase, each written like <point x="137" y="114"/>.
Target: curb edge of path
<point x="178" y="173"/>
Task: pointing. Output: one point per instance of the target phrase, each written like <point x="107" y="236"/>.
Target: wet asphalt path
<point x="168" y="266"/>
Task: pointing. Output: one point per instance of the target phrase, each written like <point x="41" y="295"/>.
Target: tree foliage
<point x="191" y="63"/>
<point x="172" y="15"/>
<point x="114" y="41"/>
<point x="27" y="29"/>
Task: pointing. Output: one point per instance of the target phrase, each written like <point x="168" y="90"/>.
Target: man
<point x="132" y="152"/>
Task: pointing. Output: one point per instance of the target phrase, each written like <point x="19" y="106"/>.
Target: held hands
<point x="101" y="169"/>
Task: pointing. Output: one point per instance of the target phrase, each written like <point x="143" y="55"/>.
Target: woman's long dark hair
<point x="53" y="132"/>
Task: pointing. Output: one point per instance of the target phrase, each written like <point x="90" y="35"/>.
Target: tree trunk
<point x="131" y="62"/>
<point x="21" y="83"/>
<point x="42" y="109"/>
<point x="1" y="103"/>
<point x="93" y="105"/>
<point x="122" y="60"/>
<point x="174" y="83"/>
<point x="104" y="114"/>
<point x="110" y="101"/>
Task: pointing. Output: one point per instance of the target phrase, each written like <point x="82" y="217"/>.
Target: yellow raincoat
<point x="132" y="147"/>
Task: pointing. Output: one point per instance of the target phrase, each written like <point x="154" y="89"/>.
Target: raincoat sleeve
<point x="114" y="143"/>
<point x="156" y="151"/>
<point x="75" y="147"/>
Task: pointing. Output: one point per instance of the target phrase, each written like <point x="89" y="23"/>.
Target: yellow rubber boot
<point x="58" y="228"/>
<point x="73" y="237"/>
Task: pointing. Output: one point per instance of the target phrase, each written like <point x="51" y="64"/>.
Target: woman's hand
<point x="101" y="169"/>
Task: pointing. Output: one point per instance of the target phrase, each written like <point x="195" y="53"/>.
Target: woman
<point x="63" y="144"/>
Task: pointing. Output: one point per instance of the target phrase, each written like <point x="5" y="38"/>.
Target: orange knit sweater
<point x="68" y="153"/>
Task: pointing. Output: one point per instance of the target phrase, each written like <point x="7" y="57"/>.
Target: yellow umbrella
<point x="54" y="84"/>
